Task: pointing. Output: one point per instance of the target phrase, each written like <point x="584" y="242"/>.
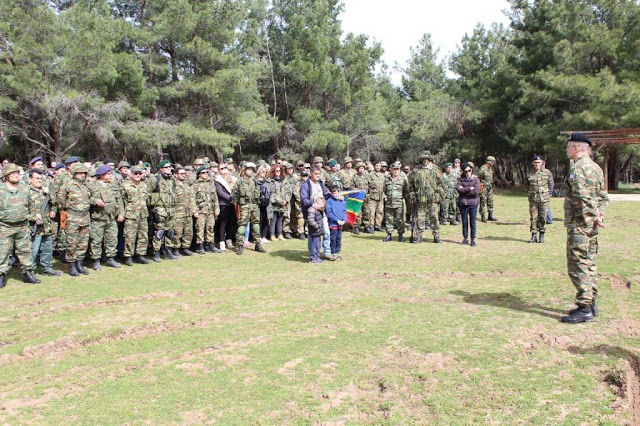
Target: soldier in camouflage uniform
<point x="14" y="225"/>
<point x="539" y="188"/>
<point x="59" y="239"/>
<point x="361" y="181"/>
<point x="185" y="210"/>
<point x="334" y="176"/>
<point x="206" y="199"/>
<point x="450" y="199"/>
<point x="41" y="241"/>
<point x="375" y="202"/>
<point x="107" y="211"/>
<point x="347" y="173"/>
<point x="324" y="175"/>
<point x="487" y="174"/>
<point x="280" y="199"/>
<point x="396" y="190"/>
<point x="293" y="212"/>
<point x="162" y="199"/>
<point x="136" y="226"/>
<point x="585" y="204"/>
<point x="426" y="189"/>
<point x="246" y="192"/>
<point x="74" y="200"/>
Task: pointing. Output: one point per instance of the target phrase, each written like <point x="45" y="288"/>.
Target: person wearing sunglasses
<point x="280" y="198"/>
<point x="468" y="188"/>
<point x="136" y="226"/>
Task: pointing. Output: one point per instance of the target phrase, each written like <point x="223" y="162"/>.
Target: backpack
<point x="265" y="194"/>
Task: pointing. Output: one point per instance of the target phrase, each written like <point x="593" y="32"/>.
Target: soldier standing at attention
<point x="376" y="199"/>
<point x="136" y="227"/>
<point x="396" y="190"/>
<point x="41" y="241"/>
<point x="361" y="181"/>
<point x="425" y="190"/>
<point x="14" y="225"/>
<point x="74" y="201"/>
<point x="335" y="177"/>
<point x="348" y="172"/>
<point x="584" y="207"/>
<point x="162" y="198"/>
<point x="207" y="208"/>
<point x="539" y="184"/>
<point x="451" y="195"/>
<point x="246" y="192"/>
<point x="486" y="174"/>
<point x="107" y="211"/>
<point x="185" y="210"/>
<point x="292" y="213"/>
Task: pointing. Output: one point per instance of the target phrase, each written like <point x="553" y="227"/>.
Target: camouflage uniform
<point x="294" y="210"/>
<point x="376" y="200"/>
<point x="162" y="199"/>
<point x="539" y="183"/>
<point x="486" y="175"/>
<point x="426" y="188"/>
<point x="450" y="199"/>
<point x="104" y="225"/>
<point x="396" y="190"/>
<point x="361" y="181"/>
<point x="41" y="241"/>
<point x="185" y="209"/>
<point x="206" y="200"/>
<point x="14" y="227"/>
<point x="347" y="176"/>
<point x="334" y="178"/>
<point x="136" y="226"/>
<point x="58" y="236"/>
<point x="586" y="197"/>
<point x="74" y="198"/>
<point x="246" y="192"/>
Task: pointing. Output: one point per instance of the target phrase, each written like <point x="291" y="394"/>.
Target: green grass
<point x="393" y="334"/>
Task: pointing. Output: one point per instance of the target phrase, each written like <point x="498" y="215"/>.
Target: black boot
<point x="301" y="236"/>
<point x="213" y="248"/>
<point x="400" y="238"/>
<point x="207" y="248"/>
<point x="156" y="256"/>
<point x="81" y="268"/>
<point x="168" y="255"/>
<point x="437" y="239"/>
<point x="175" y="253"/>
<point x="473" y="243"/>
<point x="96" y="265"/>
<point x="287" y="236"/>
<point x="581" y="314"/>
<point x="260" y="249"/>
<point x="492" y="217"/>
<point x="465" y="242"/>
<point x="418" y="239"/>
<point x="29" y="278"/>
<point x="186" y="252"/>
<point x="356" y="230"/>
<point x="128" y="261"/>
<point x="201" y="248"/>
<point x="239" y="249"/>
<point x="112" y="263"/>
<point x="483" y="218"/>
<point x="594" y="307"/>
<point x="378" y="229"/>
<point x="51" y="273"/>
<point x="534" y="238"/>
<point x="459" y="217"/>
<point x="73" y="271"/>
<point x="387" y="238"/>
<point x="541" y="238"/>
<point x="143" y="260"/>
<point x="3" y="280"/>
<point x="63" y="256"/>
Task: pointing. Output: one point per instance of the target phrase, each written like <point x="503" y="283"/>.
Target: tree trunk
<point x="56" y="135"/>
<point x="612" y="158"/>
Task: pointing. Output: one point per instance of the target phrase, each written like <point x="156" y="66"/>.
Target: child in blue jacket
<point x="336" y="211"/>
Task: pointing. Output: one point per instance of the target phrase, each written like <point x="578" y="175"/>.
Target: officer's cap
<point x="70" y="160"/>
<point x="536" y="157"/>
<point x="580" y="137"/>
<point x="348" y="159"/>
<point x="34" y="160"/>
<point x="137" y="169"/>
<point x="103" y="170"/>
<point x="163" y="163"/>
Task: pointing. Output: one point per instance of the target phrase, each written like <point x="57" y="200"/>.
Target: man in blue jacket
<point x="309" y="190"/>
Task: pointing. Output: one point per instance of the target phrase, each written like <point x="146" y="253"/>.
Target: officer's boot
<point x="400" y="238"/>
<point x="3" y="280"/>
<point x="128" y="261"/>
<point x="168" y="254"/>
<point x="112" y="263"/>
<point x="73" y="270"/>
<point x="387" y="238"/>
<point x="356" y="230"/>
<point x="260" y="249"/>
<point x="436" y="239"/>
<point x="213" y="248"/>
<point x="156" y="256"/>
<point x="186" y="252"/>
<point x="96" y="265"/>
<point x="239" y="249"/>
<point x="483" y="218"/>
<point x="29" y="278"/>
<point x="581" y="314"/>
<point x="541" y="238"/>
<point x="81" y="268"/>
<point x="492" y="218"/>
<point x="201" y="248"/>
<point x="534" y="238"/>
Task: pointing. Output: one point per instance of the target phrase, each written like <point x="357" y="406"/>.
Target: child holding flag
<point x="337" y="215"/>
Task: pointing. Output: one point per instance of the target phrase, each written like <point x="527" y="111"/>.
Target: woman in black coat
<point x="468" y="188"/>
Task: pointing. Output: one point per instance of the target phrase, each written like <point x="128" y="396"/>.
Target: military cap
<point x="9" y="168"/>
<point x="318" y="160"/>
<point x="384" y="164"/>
<point x="98" y="164"/>
<point x="288" y="165"/>
<point x="178" y="166"/>
<point x="491" y="159"/>
<point x="376" y="162"/>
<point x="229" y="161"/>
<point x="580" y="137"/>
<point x="250" y="165"/>
<point x="60" y="166"/>
<point x="213" y="164"/>
<point x="109" y="160"/>
<point x="299" y="163"/>
<point x="536" y="157"/>
<point x="396" y="165"/>
<point x="123" y="164"/>
<point x="163" y="163"/>
<point x="332" y="163"/>
<point x="34" y="160"/>
<point x="146" y="164"/>
<point x="425" y="154"/>
<point x="448" y="165"/>
<point x="348" y="159"/>
<point x="198" y="162"/>
<point x="78" y="168"/>
<point x="357" y="160"/>
<point x="70" y="160"/>
<point x="307" y="165"/>
<point x="92" y="172"/>
<point x="205" y="159"/>
<point x="188" y="168"/>
<point x="103" y="170"/>
<point x="137" y="169"/>
<point x="360" y="164"/>
<point x="202" y="169"/>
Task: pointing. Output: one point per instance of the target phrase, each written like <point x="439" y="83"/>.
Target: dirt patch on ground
<point x="625" y="384"/>
<point x="619" y="283"/>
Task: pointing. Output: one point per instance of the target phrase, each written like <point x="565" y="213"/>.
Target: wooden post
<point x="606" y="168"/>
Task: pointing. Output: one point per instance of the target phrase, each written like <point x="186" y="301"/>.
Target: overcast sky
<point x="399" y="24"/>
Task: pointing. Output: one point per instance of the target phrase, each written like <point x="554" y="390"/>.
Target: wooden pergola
<point x="608" y="140"/>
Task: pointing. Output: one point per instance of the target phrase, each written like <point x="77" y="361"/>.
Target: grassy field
<point x="393" y="334"/>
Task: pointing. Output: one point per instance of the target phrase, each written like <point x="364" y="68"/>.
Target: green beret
<point x="448" y="165"/>
<point x="146" y="164"/>
<point x="201" y="169"/>
<point x="332" y="163"/>
<point x="163" y="163"/>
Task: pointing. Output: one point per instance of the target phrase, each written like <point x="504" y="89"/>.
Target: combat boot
<point x="400" y="238"/>
<point x="201" y="248"/>
<point x="156" y="256"/>
<point x="128" y="261"/>
<point x="541" y="238"/>
<point x="356" y="230"/>
<point x="369" y="230"/>
<point x="63" y="256"/>
<point x="581" y="314"/>
<point x="437" y="239"/>
<point x="387" y="238"/>
<point x="534" y="238"/>
<point x="459" y="217"/>
<point x="492" y="217"/>
<point x="168" y="255"/>
<point x="73" y="270"/>
<point x="81" y="268"/>
<point x="175" y="253"/>
<point x="142" y="260"/>
<point x="452" y="222"/>
<point x="186" y="252"/>
<point x="287" y="236"/>
<point x="112" y="263"/>
<point x="213" y="248"/>
<point x="302" y="236"/>
<point x="378" y="229"/>
<point x="96" y="265"/>
<point x="239" y="249"/>
<point x="51" y="273"/>
<point x="418" y="239"/>
<point x="483" y="218"/>
<point x="594" y="307"/>
<point x="473" y="243"/>
<point x="260" y="249"/>
<point x="207" y="248"/>
<point x="3" y="280"/>
<point x="29" y="278"/>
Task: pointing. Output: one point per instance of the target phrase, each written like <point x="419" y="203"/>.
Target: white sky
<point x="399" y="24"/>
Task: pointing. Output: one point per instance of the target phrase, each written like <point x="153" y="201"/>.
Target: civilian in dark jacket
<point x="468" y="187"/>
<point x="315" y="219"/>
<point x="310" y="189"/>
<point x="227" y="218"/>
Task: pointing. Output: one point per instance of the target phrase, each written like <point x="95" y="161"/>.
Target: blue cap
<point x="59" y="166"/>
<point x="103" y="170"/>
<point x="536" y="157"/>
<point x="70" y="160"/>
<point x="34" y="160"/>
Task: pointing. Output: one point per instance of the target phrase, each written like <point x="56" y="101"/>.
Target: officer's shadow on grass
<point x="301" y="256"/>
<point x="494" y="238"/>
<point x="506" y="300"/>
